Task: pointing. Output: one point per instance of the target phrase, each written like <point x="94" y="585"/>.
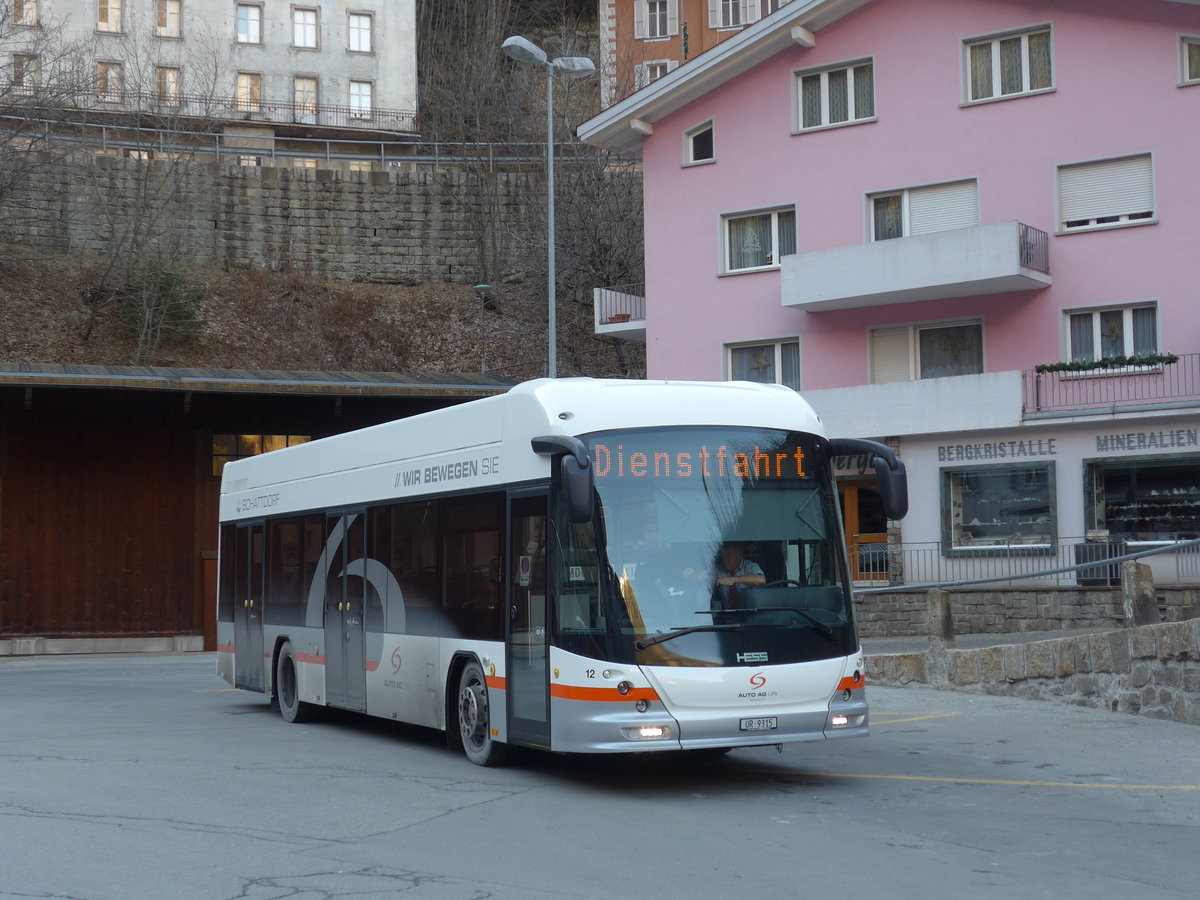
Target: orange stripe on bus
<point x="496" y="683"/>
<point x="372" y="665"/>
<point x="850" y="683"/>
<point x="600" y="695"/>
<point x="310" y="658"/>
<point x="226" y="648"/>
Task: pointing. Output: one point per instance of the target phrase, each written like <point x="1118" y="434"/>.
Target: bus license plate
<point x="766" y="723"/>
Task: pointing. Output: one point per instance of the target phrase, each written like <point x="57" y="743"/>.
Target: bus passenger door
<point x="345" y="676"/>
<point x="247" y="608"/>
<point x="528" y="657"/>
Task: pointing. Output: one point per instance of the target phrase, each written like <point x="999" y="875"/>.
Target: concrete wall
<point x="1152" y="670"/>
<point x="393" y="226"/>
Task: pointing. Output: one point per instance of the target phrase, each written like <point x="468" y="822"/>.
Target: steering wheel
<point x="786" y="582"/>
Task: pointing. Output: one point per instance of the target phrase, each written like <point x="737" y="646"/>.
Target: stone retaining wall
<point x="1151" y="670"/>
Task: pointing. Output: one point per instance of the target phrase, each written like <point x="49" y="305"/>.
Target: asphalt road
<point x="133" y="777"/>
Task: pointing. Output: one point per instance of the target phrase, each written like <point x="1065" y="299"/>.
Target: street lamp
<point x="527" y="52"/>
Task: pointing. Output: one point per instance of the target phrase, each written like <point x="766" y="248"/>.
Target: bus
<point x="546" y="569"/>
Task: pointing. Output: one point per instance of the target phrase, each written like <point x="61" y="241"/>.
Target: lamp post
<point x="527" y="52"/>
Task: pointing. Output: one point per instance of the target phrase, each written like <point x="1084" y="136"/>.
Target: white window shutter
<point x="1113" y="187"/>
<point x="750" y="11"/>
<point x="714" y="13"/>
<point x="672" y="16"/>
<point x="639" y="19"/>
<point x="889" y="355"/>
<point x="941" y="207"/>
<point x="672" y="65"/>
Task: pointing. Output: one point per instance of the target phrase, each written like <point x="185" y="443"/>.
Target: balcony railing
<point x="1162" y="385"/>
<point x="225" y="109"/>
<point x="916" y="563"/>
<point x="1035" y="248"/>
<point x="620" y="310"/>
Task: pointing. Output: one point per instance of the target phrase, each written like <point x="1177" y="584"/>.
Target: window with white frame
<point x="757" y="240"/>
<point x="937" y="207"/>
<point x="249" y="23"/>
<point x="361" y="25"/>
<point x="1009" y="65"/>
<point x="24" y="73"/>
<point x="698" y="144"/>
<point x="360" y="99"/>
<point x="655" y="19"/>
<point x="838" y="96"/>
<point x="166" y="85"/>
<point x="732" y="13"/>
<point x="304" y="99"/>
<point x="249" y="91"/>
<point x="1106" y="193"/>
<point x="774" y="362"/>
<point x="108" y="15"/>
<point x="910" y="352"/>
<point x="25" y="12"/>
<point x="652" y="70"/>
<point x="766" y="7"/>
<point x="1096" y="334"/>
<point x="1189" y="60"/>
<point x="167" y="17"/>
<point x="108" y="82"/>
<point x="304" y="29"/>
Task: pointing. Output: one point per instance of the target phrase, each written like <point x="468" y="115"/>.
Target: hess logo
<point x="758" y="681"/>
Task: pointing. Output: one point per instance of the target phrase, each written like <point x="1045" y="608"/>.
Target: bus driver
<point x="733" y="574"/>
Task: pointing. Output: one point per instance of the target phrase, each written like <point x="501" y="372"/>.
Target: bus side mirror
<point x="576" y="471"/>
<point x="893" y="477"/>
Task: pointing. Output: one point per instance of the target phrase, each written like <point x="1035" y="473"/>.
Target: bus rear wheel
<point x="291" y="707"/>
<point x="474" y="719"/>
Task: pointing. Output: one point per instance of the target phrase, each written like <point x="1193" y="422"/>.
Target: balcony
<point x="620" y="311"/>
<point x="963" y="262"/>
<point x="1111" y="391"/>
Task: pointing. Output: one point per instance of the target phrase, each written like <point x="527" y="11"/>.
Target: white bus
<point x="540" y="569"/>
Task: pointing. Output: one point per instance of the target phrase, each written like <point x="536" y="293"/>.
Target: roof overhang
<point x="622" y="127"/>
<point x="252" y="381"/>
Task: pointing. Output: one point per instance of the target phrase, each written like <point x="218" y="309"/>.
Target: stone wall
<point x="984" y="611"/>
<point x="1151" y="670"/>
<point x="393" y="226"/>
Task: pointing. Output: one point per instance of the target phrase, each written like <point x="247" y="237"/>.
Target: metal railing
<point x="1035" y="248"/>
<point x="1106" y="389"/>
<point x="623" y="303"/>
<point x="1068" y="562"/>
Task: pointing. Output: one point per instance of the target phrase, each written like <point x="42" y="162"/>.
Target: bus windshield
<point x="715" y="547"/>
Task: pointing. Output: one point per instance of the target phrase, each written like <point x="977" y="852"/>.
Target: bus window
<point x="471" y="566"/>
<point x="287" y="592"/>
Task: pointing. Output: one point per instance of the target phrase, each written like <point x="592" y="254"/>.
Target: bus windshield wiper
<point x="823" y="629"/>
<point x="679" y="632"/>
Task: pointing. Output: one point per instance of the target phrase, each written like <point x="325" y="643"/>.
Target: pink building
<point x="902" y="208"/>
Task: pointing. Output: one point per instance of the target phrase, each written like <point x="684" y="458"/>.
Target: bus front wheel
<point x="287" y="690"/>
<point x="474" y="718"/>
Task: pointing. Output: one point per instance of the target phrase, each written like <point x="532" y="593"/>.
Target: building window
<point x="769" y="6"/>
<point x="304" y="97"/>
<point x="108" y="15"/>
<point x="1106" y="193"/>
<point x="247" y="160"/>
<point x="304" y="28"/>
<point x="938" y="207"/>
<point x="655" y="19"/>
<point x="359" y="165"/>
<point x="1107" y="333"/>
<point x="756" y="241"/>
<point x="360" y="33"/>
<point x="360" y="99"/>
<point x="652" y="70"/>
<point x="167" y="14"/>
<point x="249" y="91"/>
<point x="1190" y="60"/>
<point x="771" y="363"/>
<point x="166" y="83"/>
<point x="228" y="447"/>
<point x="25" y="12"/>
<point x="1009" y="65"/>
<point x="108" y="82"/>
<point x="1144" y="498"/>
<point x="732" y="13"/>
<point x="998" y="507"/>
<point x="304" y="162"/>
<point x="249" y="23"/>
<point x="926" y="351"/>
<point x="698" y="147"/>
<point x="24" y="73"/>
<point x="837" y="96"/>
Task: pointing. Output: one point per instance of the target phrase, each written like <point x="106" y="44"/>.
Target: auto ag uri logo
<point x="758" y="681"/>
<point x="396" y="661"/>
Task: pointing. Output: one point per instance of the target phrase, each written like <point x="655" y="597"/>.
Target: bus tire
<point x="475" y="720"/>
<point x="291" y="707"/>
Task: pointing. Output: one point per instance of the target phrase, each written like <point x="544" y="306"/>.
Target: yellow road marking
<point x="219" y="691"/>
<point x="875" y="721"/>
<point x="998" y="781"/>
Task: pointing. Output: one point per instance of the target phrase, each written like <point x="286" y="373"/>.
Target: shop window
<point x="1145" y="499"/>
<point x="994" y="508"/>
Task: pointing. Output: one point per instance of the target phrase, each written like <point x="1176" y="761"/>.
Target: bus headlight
<point x="839" y="721"/>
<point x="648" y="733"/>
